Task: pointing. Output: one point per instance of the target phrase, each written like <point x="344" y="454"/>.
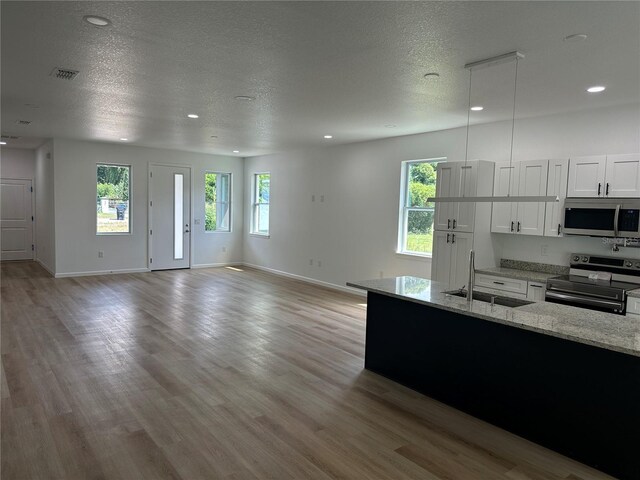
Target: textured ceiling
<point x="341" y="68"/>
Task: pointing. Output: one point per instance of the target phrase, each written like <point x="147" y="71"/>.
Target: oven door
<point x="592" y="303"/>
<point x="594" y="219"/>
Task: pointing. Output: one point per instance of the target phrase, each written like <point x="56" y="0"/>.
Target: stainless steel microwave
<point x="602" y="217"/>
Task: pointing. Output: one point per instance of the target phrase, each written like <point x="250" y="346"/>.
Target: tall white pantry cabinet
<point x="460" y="227"/>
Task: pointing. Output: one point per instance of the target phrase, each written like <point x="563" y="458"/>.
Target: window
<point x="217" y="202"/>
<point x="416" y="215"/>
<point x="113" y="204"/>
<point x="260" y="213"/>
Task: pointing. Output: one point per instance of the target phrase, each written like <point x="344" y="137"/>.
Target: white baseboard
<point x="101" y="272"/>
<point x="217" y="265"/>
<point x="332" y="286"/>
<point x="46" y="267"/>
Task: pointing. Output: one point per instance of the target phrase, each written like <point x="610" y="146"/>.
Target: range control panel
<point x="579" y="260"/>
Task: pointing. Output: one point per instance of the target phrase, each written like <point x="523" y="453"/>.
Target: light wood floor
<point x="221" y="374"/>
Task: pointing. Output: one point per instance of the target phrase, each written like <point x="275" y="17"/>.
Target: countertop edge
<point x="522" y="326"/>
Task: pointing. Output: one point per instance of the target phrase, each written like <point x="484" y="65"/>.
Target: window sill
<point x="217" y="231"/>
<point x="259" y="235"/>
<point x="422" y="256"/>
<point x="112" y="234"/>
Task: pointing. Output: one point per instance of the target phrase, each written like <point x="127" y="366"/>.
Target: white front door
<point x="16" y="222"/>
<point x="170" y="217"/>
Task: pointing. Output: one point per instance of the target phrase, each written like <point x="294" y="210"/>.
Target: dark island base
<point x="578" y="400"/>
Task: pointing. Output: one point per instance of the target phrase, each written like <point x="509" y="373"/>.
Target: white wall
<point x="75" y="194"/>
<point x="354" y="231"/>
<point x="17" y="163"/>
<point x="45" y="207"/>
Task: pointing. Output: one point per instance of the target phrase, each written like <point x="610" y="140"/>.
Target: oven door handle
<point x="615" y="221"/>
<point x="606" y="297"/>
<point x="585" y="300"/>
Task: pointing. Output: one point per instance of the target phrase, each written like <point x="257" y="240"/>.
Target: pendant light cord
<point x="466" y="146"/>
<point x="513" y="126"/>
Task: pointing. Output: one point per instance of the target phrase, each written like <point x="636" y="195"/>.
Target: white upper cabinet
<point x="622" y="177"/>
<point x="520" y="179"/>
<point x="446" y="186"/>
<point x="460" y="179"/>
<point x="505" y="183"/>
<point x="464" y="212"/>
<point x="604" y="176"/>
<point x="586" y="176"/>
<point x="556" y="185"/>
<point x="532" y="182"/>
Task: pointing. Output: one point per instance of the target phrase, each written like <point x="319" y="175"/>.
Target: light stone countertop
<point x="599" y="329"/>
<point x="518" y="274"/>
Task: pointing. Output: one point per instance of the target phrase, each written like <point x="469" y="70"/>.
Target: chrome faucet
<point x="472" y="274"/>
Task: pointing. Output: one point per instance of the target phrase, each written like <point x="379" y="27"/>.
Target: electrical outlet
<point x="310" y="262"/>
<point x="319" y="263"/>
<point x="100" y="254"/>
<point x="321" y="198"/>
<point x="224" y="249"/>
<point x="313" y="198"/>
<point x="544" y="250"/>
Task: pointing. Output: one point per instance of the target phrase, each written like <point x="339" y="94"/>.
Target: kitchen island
<point x="564" y="377"/>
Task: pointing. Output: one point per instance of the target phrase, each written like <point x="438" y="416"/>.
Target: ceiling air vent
<point x="23" y="122"/>
<point x="64" y="73"/>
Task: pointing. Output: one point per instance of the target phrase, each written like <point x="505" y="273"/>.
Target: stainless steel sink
<point x="487" y="297"/>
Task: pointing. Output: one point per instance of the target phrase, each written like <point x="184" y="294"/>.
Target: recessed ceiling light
<point x="97" y="21"/>
<point x="124" y="139"/>
<point x="328" y="136"/>
<point x="432" y="75"/>
<point x="3" y="143"/>
<point x="391" y="126"/>
<point x="477" y="108"/>
<point x="596" y="89"/>
<point x="236" y="151"/>
<point x="245" y="98"/>
<point x="192" y="115"/>
<point x="576" y="37"/>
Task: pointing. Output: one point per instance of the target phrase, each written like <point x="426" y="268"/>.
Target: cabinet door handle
<point x="599" y="188"/>
<point x="606" y="191"/>
<point x="518" y="226"/>
<point x="453" y="238"/>
<point x="448" y="237"/>
<point x="499" y="283"/>
<point x="559" y="228"/>
<point x="512" y="226"/>
<point x="536" y="286"/>
<point x="454" y="223"/>
<point x="449" y="221"/>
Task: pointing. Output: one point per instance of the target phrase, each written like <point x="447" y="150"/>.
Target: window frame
<point x="130" y="206"/>
<point x="404" y="208"/>
<point x="229" y="202"/>
<point x="255" y="205"/>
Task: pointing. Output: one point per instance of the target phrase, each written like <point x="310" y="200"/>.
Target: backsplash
<point x="534" y="266"/>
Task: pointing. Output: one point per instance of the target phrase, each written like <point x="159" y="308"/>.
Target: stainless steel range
<point x="609" y="295"/>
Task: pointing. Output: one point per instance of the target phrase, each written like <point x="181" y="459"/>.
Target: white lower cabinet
<point x="451" y="258"/>
<point x="511" y="287"/>
<point x="535" y="291"/>
<point x="633" y="306"/>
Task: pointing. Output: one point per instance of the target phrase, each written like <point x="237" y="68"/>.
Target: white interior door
<point x="170" y="217"/>
<point x="16" y="221"/>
